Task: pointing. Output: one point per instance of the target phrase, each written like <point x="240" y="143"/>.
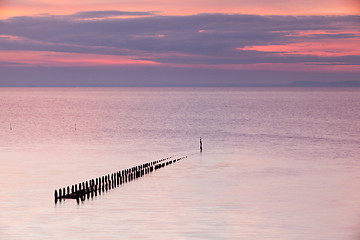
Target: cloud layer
<point x="111" y="48"/>
<point x="197" y="39"/>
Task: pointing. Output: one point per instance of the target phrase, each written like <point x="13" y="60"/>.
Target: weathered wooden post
<point x="56" y="196"/>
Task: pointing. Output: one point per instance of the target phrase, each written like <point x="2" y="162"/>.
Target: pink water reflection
<point x="277" y="164"/>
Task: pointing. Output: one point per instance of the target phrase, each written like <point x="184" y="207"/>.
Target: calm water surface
<point x="277" y="163"/>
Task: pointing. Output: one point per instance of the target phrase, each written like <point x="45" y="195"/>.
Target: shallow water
<point x="278" y="163"/>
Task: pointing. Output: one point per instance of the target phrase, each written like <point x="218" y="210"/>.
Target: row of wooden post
<point x="94" y="186"/>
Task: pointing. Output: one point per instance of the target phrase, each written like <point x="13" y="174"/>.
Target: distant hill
<point x="325" y="84"/>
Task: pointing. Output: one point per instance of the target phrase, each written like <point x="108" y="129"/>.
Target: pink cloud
<point x="48" y="58"/>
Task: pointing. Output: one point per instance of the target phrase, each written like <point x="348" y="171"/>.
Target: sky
<point x="182" y="43"/>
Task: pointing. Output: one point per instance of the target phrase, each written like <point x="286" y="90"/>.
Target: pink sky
<point x="250" y="35"/>
<point x="185" y="7"/>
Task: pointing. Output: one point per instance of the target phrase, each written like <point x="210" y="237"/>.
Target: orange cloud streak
<point x="323" y="48"/>
<point x="42" y="58"/>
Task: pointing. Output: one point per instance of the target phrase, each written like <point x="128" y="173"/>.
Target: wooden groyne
<point x="96" y="186"/>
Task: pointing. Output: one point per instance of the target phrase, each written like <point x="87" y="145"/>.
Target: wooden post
<point x="56" y="196"/>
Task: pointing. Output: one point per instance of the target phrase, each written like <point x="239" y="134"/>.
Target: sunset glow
<point x="186" y="7"/>
<point x="43" y="58"/>
<point x="323" y="48"/>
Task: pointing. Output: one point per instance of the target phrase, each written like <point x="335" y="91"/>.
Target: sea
<point x="277" y="163"/>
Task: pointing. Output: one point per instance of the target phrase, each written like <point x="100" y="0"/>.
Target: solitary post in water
<point x="200" y="145"/>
